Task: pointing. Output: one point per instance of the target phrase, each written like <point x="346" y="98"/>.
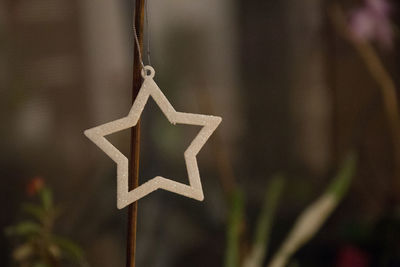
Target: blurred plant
<point x="234" y="229"/>
<point x="37" y="245"/>
<point x="306" y="226"/>
<point x="372" y="23"/>
<point x="312" y="218"/>
<point x="236" y="226"/>
<point x="264" y="223"/>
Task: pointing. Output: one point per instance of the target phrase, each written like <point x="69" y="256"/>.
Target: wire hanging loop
<point x="148" y="72"/>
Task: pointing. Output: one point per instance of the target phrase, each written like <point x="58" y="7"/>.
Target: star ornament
<point x="149" y="88"/>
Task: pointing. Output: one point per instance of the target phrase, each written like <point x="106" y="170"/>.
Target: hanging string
<point x="138" y="45"/>
<point x="147" y="26"/>
<point x="147" y="37"/>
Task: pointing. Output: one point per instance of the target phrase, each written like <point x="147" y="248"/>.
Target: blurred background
<point x="307" y="91"/>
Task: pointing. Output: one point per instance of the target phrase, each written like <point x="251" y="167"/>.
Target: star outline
<point x="150" y="88"/>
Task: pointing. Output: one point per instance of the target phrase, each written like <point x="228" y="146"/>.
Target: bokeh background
<point x="296" y="92"/>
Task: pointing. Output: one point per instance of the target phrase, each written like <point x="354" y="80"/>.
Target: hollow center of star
<point x="162" y="145"/>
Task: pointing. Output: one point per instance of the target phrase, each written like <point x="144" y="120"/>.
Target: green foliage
<point x="37" y="245"/>
<point x="267" y="214"/>
<point x="47" y="198"/>
<point x="341" y="182"/>
<point x="24" y="229"/>
<point x="306" y="226"/>
<point x="36" y="211"/>
<point x="314" y="216"/>
<point x="236" y="211"/>
<point x="264" y="224"/>
<point x="69" y="248"/>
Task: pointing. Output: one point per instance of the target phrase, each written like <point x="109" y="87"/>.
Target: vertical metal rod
<point x="135" y="136"/>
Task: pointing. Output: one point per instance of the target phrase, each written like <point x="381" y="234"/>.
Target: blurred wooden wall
<point x="42" y="85"/>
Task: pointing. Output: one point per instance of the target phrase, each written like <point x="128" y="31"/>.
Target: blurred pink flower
<point x="350" y="256"/>
<point x="372" y="22"/>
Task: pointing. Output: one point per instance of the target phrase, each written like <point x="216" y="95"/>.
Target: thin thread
<point x="138" y="45"/>
<point x="148" y="39"/>
<point x="147" y="32"/>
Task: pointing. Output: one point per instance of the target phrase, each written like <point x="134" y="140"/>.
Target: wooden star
<point x="149" y="88"/>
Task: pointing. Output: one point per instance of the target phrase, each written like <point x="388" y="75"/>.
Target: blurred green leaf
<point x="235" y="223"/>
<point x="264" y="223"/>
<point x="47" y="198"/>
<point x="314" y="216"/>
<point x="274" y="191"/>
<point x="34" y="210"/>
<point x="341" y="182"/>
<point x="69" y="248"/>
<point x="24" y="228"/>
<point x="40" y="264"/>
